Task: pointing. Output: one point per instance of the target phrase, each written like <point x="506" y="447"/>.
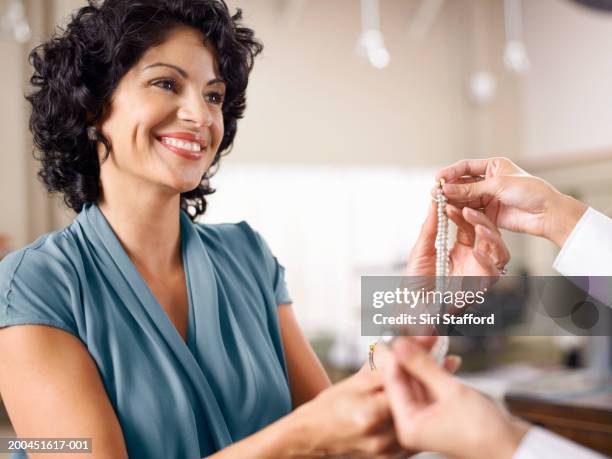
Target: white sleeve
<point x="588" y="249"/>
<point x="542" y="444"/>
<point x="588" y="252"/>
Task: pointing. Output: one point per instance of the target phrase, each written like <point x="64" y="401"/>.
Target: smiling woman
<point x="166" y="109"/>
<point x="115" y="43"/>
<point x="152" y="335"/>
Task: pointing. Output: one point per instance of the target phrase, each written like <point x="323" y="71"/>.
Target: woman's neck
<point x="147" y="223"/>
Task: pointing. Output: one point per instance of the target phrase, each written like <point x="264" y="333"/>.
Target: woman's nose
<point x="195" y="110"/>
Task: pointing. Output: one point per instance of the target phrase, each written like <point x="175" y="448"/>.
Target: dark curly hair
<point x="79" y="67"/>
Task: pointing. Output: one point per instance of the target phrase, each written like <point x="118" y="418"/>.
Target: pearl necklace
<point x="441" y="244"/>
<point x="440" y="348"/>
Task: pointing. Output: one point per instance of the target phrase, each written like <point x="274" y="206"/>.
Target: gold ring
<point x="371" y="356"/>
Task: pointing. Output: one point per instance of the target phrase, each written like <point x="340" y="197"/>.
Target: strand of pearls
<point x="440" y="348"/>
<point x="441" y="244"/>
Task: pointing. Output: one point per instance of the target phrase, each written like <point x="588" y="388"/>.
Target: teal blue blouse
<point x="173" y="399"/>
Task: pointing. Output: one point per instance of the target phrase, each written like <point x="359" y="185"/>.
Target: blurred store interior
<point x="353" y="106"/>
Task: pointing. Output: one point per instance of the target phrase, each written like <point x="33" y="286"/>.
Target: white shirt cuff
<point x="588" y="249"/>
<point x="539" y="443"/>
<point x="588" y="252"/>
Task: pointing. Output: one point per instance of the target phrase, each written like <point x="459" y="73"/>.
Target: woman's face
<point x="164" y="121"/>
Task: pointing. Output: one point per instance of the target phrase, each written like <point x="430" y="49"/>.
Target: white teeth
<point x="183" y="144"/>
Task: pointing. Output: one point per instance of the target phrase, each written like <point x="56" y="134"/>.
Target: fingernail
<point x="454" y="361"/>
<point x="472" y="212"/>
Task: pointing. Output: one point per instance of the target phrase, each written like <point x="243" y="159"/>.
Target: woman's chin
<point x="183" y="186"/>
<point x="179" y="180"/>
<point x="186" y="187"/>
<point x="183" y="182"/>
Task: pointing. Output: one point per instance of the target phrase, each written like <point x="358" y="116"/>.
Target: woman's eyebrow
<point x="182" y="72"/>
<point x="215" y="81"/>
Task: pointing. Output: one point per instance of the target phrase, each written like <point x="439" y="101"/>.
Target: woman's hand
<point x="353" y="417"/>
<point x="433" y="411"/>
<point x="350" y="418"/>
<point x="511" y="198"/>
<point x="479" y="249"/>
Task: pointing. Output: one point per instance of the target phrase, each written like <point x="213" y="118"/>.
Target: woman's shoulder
<point x="39" y="283"/>
<point x="240" y="241"/>
<point x="49" y="254"/>
<point x="239" y="236"/>
<point x="243" y="243"/>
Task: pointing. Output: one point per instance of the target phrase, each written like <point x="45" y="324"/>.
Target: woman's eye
<point x="167" y="84"/>
<point x="215" y="98"/>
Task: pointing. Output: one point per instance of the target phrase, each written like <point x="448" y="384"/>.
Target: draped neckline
<point x="202" y="297"/>
<point x="136" y="279"/>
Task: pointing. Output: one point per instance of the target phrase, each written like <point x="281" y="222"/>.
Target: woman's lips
<point x="187" y="154"/>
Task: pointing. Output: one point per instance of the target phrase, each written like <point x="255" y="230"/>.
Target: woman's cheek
<point x="219" y="131"/>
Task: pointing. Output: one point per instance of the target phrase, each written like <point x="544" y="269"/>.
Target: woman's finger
<point x="475" y="204"/>
<point x="489" y="238"/>
<point x="427" y="235"/>
<point x="400" y="391"/>
<point x="418" y="391"/>
<point x="475" y="217"/>
<point x="471" y="167"/>
<point x="486" y="262"/>
<point x="465" y="231"/>
<point x="418" y="363"/>
<point x="452" y="363"/>
<point x="381" y="355"/>
<point x="491" y="211"/>
<point x="427" y="342"/>
<point x="493" y="244"/>
<point x="478" y="193"/>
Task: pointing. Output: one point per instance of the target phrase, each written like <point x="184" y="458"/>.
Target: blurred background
<point x="352" y="108"/>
